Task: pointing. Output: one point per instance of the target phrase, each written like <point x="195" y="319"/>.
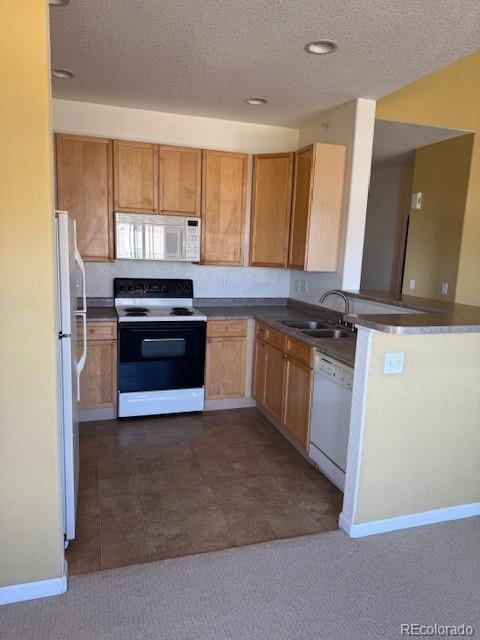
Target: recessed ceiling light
<point x="320" y="47"/>
<point x="62" y="73"/>
<point x="58" y="3"/>
<point x="255" y="100"/>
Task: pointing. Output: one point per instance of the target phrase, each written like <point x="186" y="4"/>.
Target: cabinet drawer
<point x="300" y="351"/>
<point x="276" y="339"/>
<point x="223" y="328"/>
<point x="101" y="330"/>
<point x="261" y="331"/>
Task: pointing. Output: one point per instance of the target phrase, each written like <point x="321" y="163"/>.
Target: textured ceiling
<point x="395" y="142"/>
<point x="204" y="57"/>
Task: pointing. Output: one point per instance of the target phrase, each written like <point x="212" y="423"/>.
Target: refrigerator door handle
<point x="83" y="313"/>
<point x="81" y="266"/>
<point x="81" y="362"/>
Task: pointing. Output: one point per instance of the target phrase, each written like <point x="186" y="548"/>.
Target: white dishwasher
<point x="330" y="419"/>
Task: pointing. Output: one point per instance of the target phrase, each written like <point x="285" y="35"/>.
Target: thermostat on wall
<point x="417" y="200"/>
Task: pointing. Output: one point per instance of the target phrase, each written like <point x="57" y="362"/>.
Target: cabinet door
<point x="225" y="368"/>
<point x="180" y="181"/>
<point x="271" y="202"/>
<point x="98" y="380"/>
<point x="298" y="398"/>
<point x="84" y="189"/>
<point x="258" y="385"/>
<point x="223" y="207"/>
<point x="302" y="189"/>
<point x="135" y="176"/>
<point x="325" y="216"/>
<point x="274" y="382"/>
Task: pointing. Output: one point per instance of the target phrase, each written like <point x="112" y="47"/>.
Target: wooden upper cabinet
<point x="318" y="189"/>
<point x="224" y="181"/>
<point x="84" y="189"/>
<point x="271" y="203"/>
<point x="135" y="176"/>
<point x="180" y="181"/>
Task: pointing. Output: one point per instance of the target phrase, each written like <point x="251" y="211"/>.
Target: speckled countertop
<point x="435" y="316"/>
<point x="342" y="349"/>
<point x="101" y="314"/>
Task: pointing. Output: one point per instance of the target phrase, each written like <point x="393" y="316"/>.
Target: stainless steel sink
<point x="336" y="334"/>
<point x="307" y="324"/>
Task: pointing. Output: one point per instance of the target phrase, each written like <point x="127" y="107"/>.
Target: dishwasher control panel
<point x="335" y="371"/>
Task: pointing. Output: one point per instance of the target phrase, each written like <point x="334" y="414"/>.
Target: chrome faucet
<point x="336" y="292"/>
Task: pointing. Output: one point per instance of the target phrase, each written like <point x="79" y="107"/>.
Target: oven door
<point x="161" y="356"/>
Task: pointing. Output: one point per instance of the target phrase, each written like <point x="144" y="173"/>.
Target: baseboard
<point x="33" y="590"/>
<point x="229" y="403"/>
<point x="409" y="521"/>
<point x="92" y="415"/>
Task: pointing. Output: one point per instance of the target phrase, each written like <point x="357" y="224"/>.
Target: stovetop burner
<point x="136" y="309"/>
<point x="136" y="313"/>
<point x="181" y="311"/>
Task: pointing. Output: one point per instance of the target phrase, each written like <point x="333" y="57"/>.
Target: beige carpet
<point x="320" y="586"/>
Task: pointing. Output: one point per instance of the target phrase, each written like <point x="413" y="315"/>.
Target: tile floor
<point x="162" y="487"/>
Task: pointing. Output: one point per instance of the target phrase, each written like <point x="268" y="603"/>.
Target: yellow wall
<point x="450" y="98"/>
<point x="435" y="232"/>
<point x="421" y="442"/>
<point x="30" y="513"/>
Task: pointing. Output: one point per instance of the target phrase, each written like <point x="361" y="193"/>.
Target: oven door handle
<point x="162" y="339"/>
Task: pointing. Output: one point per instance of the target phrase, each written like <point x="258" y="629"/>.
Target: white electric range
<point x="161" y="347"/>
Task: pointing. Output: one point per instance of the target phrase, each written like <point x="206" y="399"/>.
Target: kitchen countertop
<point x="435" y="316"/>
<point x="101" y="314"/>
<point x="342" y="349"/>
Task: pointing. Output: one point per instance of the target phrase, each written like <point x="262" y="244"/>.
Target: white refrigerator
<point x="72" y="352"/>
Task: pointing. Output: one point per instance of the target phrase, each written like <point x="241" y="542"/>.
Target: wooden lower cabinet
<point x="298" y="398"/>
<point x="274" y="382"/>
<point x="258" y="383"/>
<point x="98" y="380"/>
<point x="283" y="385"/>
<point x="225" y="359"/>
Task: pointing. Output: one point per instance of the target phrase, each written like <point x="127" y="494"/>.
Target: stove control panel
<point x="152" y="288"/>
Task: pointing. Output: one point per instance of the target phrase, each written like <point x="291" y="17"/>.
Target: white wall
<point x="153" y="126"/>
<point x="170" y="128"/>
<point x="350" y="124"/>
<point x="208" y="282"/>
<point x="385" y="211"/>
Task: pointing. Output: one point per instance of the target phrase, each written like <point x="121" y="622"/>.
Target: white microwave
<point x="140" y="236"/>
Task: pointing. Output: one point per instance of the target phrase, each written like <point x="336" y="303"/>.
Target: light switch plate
<point x="411" y="284"/>
<point x="417" y="200"/>
<point x="394" y="363"/>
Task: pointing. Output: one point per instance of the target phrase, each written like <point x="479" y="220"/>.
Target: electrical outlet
<point x="297" y="284"/>
<point x="444" y="288"/>
<point x="303" y="286"/>
<point x="394" y="363"/>
<point x="411" y="284"/>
